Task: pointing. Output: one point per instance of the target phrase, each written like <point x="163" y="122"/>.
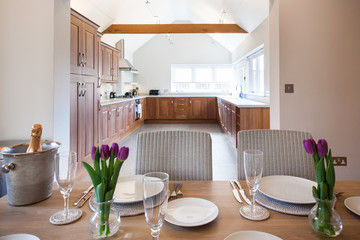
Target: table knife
<point x="84" y="200"/>
<point x="242" y="192"/>
<point x="235" y="192"/>
<point x="82" y="195"/>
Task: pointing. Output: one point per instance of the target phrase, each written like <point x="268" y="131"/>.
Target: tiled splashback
<point x="107" y="88"/>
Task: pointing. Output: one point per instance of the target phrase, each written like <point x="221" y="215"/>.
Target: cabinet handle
<point x="172" y="102"/>
<point x="190" y="101"/>
<point x="181" y="104"/>
<point x="109" y="116"/>
<point x="79" y="90"/>
<point x="84" y="92"/>
<point x="99" y="106"/>
<point x="80" y="60"/>
<point x="118" y="112"/>
<point x="84" y="59"/>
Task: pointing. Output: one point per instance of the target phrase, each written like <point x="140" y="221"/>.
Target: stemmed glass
<point x="155" y="198"/>
<point x="253" y="165"/>
<point x="65" y="171"/>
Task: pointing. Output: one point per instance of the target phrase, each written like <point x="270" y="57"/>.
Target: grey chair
<point x="184" y="155"/>
<point x="284" y="153"/>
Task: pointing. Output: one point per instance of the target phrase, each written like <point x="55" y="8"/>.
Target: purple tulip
<point x="104" y="152"/>
<point x="322" y="147"/>
<point x="309" y="145"/>
<point x="115" y="149"/>
<point x="123" y="153"/>
<point x="93" y="151"/>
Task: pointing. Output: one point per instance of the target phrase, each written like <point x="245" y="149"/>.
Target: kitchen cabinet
<point x="82" y="115"/>
<point x="109" y="71"/>
<point x="181" y="108"/>
<point x="197" y="108"/>
<point x="150" y="108"/>
<point x="165" y="108"/>
<point x="211" y="108"/>
<point x="104" y="118"/>
<point x="119" y="121"/>
<point x="129" y="109"/>
<point x="83" y="55"/>
<point x="254" y="118"/>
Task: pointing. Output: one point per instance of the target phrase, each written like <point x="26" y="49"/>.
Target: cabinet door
<point x="106" y="73"/>
<point x="165" y="108"/>
<point x="198" y="108"/>
<point x="254" y="118"/>
<point x="150" y="109"/>
<point x="131" y="115"/>
<point x="75" y="45"/>
<point x="73" y="116"/>
<point x="89" y="50"/>
<point x="233" y="124"/>
<point x="211" y="108"/>
<point x="115" y="65"/>
<point x="120" y="123"/>
<point x="112" y="122"/>
<point x="104" y="118"/>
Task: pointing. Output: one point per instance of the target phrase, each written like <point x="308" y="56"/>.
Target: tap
<point x="241" y="94"/>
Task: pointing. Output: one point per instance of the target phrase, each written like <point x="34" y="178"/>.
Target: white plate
<point x="191" y="212"/>
<point x="251" y="235"/>
<point x="21" y="236"/>
<point x="353" y="204"/>
<point x="288" y="189"/>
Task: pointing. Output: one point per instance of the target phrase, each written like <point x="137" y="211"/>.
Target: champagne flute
<point x="65" y="171"/>
<point x="155" y="199"/>
<point x="253" y="166"/>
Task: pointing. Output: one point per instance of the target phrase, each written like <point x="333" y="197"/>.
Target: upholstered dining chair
<point x="283" y="150"/>
<point x="184" y="155"/>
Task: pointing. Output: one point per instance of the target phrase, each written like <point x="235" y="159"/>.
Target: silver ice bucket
<point x="29" y="176"/>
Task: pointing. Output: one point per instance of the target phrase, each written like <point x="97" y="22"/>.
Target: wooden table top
<point x="34" y="219"/>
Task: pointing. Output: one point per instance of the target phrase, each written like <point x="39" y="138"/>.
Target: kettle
<point x="112" y="94"/>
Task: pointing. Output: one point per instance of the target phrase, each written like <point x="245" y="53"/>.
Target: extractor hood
<point x="124" y="64"/>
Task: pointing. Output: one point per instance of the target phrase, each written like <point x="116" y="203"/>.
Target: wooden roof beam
<point x="172" y="28"/>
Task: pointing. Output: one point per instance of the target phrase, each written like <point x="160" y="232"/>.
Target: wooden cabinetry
<point x="82" y="115"/>
<point x="104" y="126"/>
<point x="150" y="108"/>
<point x="198" y="108"/>
<point x="211" y="108"/>
<point x="181" y="108"/>
<point x="83" y="55"/>
<point x="129" y="109"/>
<point x="109" y="68"/>
<point x="233" y="119"/>
<point x="165" y="108"/>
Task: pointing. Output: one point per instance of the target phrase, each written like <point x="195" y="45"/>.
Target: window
<point x="249" y="73"/>
<point x="201" y="78"/>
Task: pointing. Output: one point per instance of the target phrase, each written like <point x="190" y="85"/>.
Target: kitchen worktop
<point x="239" y="102"/>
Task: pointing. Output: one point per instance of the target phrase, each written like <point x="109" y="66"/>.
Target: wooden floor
<point x="224" y="154"/>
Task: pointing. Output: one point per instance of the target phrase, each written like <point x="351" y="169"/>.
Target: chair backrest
<point x="184" y="155"/>
<point x="283" y="150"/>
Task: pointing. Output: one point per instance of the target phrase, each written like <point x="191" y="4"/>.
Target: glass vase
<point x="105" y="221"/>
<point x="324" y="219"/>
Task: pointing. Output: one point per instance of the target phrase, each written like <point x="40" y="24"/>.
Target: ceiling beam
<point x="172" y="28"/>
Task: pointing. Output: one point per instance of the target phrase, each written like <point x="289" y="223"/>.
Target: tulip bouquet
<point x="104" y="175"/>
<point x="325" y="177"/>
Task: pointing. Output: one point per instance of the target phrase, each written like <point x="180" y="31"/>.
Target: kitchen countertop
<point x="238" y="102"/>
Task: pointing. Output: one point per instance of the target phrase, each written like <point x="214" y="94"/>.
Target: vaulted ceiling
<point x="248" y="14"/>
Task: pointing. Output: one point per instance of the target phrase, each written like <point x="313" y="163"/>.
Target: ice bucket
<point x="29" y="176"/>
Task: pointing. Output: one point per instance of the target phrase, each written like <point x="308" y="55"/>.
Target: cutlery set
<point x="84" y="196"/>
<point x="241" y="190"/>
<point x="176" y="194"/>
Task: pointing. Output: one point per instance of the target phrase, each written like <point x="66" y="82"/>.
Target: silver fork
<point x="173" y="194"/>
<point x="179" y="193"/>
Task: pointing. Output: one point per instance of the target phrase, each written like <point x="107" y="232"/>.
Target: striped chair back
<point x="184" y="155"/>
<point x="283" y="150"/>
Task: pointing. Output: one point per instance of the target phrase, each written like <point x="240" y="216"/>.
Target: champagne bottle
<point x="35" y="139"/>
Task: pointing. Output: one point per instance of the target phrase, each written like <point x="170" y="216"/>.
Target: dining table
<point x="34" y="218"/>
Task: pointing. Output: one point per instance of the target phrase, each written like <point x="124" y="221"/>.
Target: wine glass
<point x="65" y="171"/>
<point x="253" y="165"/>
<point x="155" y="198"/>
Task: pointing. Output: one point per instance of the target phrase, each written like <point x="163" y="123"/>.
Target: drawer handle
<point x="181" y="104"/>
<point x="181" y="115"/>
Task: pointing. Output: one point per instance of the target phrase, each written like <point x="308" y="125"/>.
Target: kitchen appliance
<point x="128" y="94"/>
<point x="154" y="92"/>
<point x="124" y="64"/>
<point x="134" y="92"/>
<point x="112" y="94"/>
<point x="138" y="109"/>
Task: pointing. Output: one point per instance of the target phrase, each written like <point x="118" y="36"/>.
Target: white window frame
<point x="213" y="85"/>
<point x="251" y="84"/>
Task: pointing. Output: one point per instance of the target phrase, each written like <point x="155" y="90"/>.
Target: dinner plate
<point x="288" y="189"/>
<point x="21" y="236"/>
<point x="129" y="189"/>
<point x="191" y="212"/>
<point x="251" y="235"/>
<point x="353" y="204"/>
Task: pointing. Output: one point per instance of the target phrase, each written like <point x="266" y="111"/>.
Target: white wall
<point x="26" y="67"/>
<point x="154" y="58"/>
<point x="62" y="73"/>
<point x="319" y="53"/>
